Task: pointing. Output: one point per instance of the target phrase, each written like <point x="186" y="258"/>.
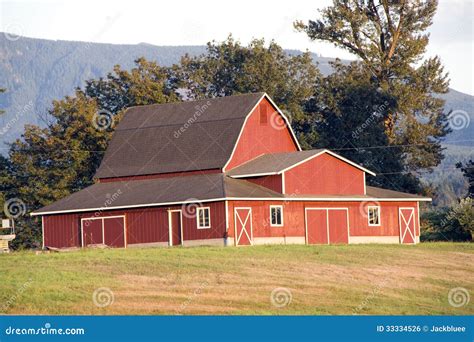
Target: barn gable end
<point x="265" y="130"/>
<point x="325" y="174"/>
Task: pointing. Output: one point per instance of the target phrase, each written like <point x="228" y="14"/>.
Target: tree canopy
<point x="390" y="39"/>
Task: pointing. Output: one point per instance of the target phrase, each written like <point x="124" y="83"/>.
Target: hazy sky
<point x="189" y="22"/>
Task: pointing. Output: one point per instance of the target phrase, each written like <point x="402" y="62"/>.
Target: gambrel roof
<point x="177" y="137"/>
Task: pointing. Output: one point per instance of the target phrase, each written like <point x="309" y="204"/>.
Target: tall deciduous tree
<point x="146" y="83"/>
<point x="390" y="39"/>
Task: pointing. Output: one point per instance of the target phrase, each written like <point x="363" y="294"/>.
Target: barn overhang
<point x="194" y="189"/>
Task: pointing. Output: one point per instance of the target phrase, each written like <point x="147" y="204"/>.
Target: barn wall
<point x="217" y="229"/>
<point x="294" y="217"/>
<point x="273" y="182"/>
<point x="326" y="175"/>
<point x="61" y="231"/>
<point x="147" y="225"/>
<point x="264" y="132"/>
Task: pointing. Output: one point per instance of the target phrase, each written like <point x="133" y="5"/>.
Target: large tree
<point x="390" y="39"/>
<point x="351" y="112"/>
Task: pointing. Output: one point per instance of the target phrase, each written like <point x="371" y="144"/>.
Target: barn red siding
<point x="62" y="231"/>
<point x="294" y="217"/>
<point x="161" y="175"/>
<point x="273" y="182"/>
<point x="259" y="136"/>
<point x="217" y="229"/>
<point x="147" y="225"/>
<point x="325" y="175"/>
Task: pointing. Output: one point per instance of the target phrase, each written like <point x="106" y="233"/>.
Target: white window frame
<point x="198" y="210"/>
<point x="281" y="211"/>
<point x="379" y="215"/>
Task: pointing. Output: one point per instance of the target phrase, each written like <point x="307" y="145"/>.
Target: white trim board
<point x="170" y="226"/>
<point x="411" y="218"/>
<point x="284" y="199"/>
<point x="244" y="229"/>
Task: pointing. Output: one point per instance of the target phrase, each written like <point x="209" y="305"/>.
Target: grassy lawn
<point x="353" y="279"/>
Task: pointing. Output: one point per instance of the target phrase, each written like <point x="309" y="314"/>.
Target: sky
<point x="188" y="22"/>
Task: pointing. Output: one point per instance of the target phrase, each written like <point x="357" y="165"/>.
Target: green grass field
<point x="351" y="279"/>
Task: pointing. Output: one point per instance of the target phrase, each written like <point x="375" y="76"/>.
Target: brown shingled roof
<point x="192" y="189"/>
<point x="158" y="191"/>
<point x="175" y="137"/>
<point x="272" y="163"/>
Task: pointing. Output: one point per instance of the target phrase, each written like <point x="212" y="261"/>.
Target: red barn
<point x="226" y="171"/>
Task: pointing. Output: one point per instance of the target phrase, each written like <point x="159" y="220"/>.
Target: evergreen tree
<point x="468" y="172"/>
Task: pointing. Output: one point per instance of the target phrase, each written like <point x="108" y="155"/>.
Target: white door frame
<point x="249" y="215"/>
<point x="327" y="221"/>
<point x="411" y="218"/>
<point x="170" y="225"/>
<point x="103" y="230"/>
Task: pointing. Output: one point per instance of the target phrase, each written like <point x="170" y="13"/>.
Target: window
<point x="276" y="215"/>
<point x="204" y="217"/>
<point x="374" y="216"/>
